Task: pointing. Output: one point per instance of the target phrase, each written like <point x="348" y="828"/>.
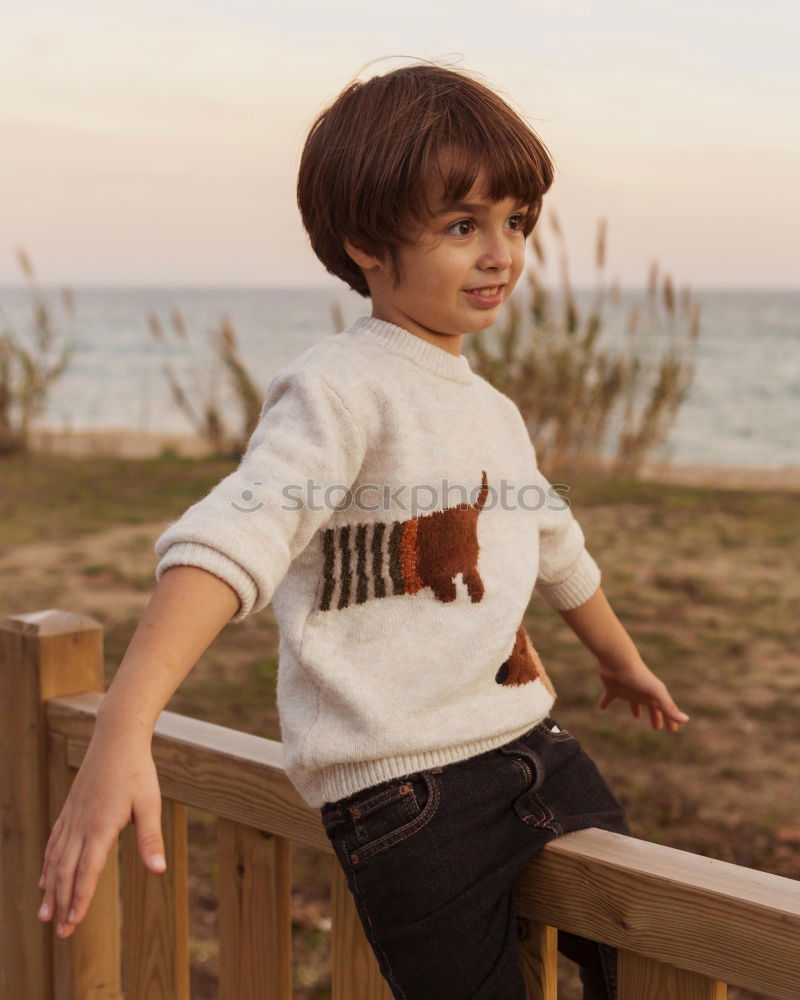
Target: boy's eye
<point x="518" y="220"/>
<point x="456" y="226"/>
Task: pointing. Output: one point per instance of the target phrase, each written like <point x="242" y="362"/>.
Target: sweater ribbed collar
<point x="400" y="341"/>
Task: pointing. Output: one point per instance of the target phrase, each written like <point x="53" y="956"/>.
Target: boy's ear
<point x="366" y="261"/>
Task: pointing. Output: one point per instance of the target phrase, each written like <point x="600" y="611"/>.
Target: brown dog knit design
<point x="426" y="551"/>
<point x="523" y="665"/>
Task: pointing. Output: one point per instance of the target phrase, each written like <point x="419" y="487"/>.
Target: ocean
<point x="743" y="407"/>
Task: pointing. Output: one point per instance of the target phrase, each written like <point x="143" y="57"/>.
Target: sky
<point x="147" y="143"/>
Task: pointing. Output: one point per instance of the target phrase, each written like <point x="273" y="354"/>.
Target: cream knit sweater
<point x="390" y="507"/>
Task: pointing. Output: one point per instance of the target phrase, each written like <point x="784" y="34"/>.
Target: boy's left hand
<point x="634" y="682"/>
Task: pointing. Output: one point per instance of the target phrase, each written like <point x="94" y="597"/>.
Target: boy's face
<point x="476" y="245"/>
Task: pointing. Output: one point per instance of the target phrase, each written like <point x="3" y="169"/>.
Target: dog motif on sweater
<point x="425" y="551"/>
<point x="523" y="665"/>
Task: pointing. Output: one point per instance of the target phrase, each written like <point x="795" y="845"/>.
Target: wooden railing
<point x="685" y="925"/>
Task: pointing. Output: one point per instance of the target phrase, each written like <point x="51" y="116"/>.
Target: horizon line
<point x="180" y="286"/>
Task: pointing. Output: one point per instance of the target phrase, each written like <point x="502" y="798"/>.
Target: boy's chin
<point x="480" y="319"/>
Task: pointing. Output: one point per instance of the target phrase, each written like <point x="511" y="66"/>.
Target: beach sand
<point x="125" y="443"/>
<point x="122" y="443"/>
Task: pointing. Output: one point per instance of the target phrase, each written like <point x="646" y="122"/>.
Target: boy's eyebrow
<point x="471" y="206"/>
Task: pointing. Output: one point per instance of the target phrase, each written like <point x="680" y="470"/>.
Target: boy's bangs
<point x="509" y="171"/>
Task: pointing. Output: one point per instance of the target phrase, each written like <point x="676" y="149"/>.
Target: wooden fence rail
<point x="685" y="925"/>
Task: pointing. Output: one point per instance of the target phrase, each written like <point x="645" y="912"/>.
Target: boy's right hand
<point x="116" y="783"/>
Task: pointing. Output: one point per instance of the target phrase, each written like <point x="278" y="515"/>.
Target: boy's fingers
<point x="55" y="847"/>
<point x="52" y="840"/>
<point x="655" y="716"/>
<point x="56" y="844"/>
<point x="150" y="839"/>
<point x="672" y="715"/>
<point x="677" y="714"/>
<point x="65" y="878"/>
<point x="90" y="864"/>
<point x="671" y="710"/>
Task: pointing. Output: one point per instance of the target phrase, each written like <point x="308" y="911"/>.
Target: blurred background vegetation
<point x="29" y="366"/>
<point x="582" y="397"/>
<point x="570" y="385"/>
<point x="704" y="578"/>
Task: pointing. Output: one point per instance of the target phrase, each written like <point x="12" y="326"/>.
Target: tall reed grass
<point x="198" y="395"/>
<point x="575" y="392"/>
<point x="30" y="364"/>
<point x="581" y="399"/>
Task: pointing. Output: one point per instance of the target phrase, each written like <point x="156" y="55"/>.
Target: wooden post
<point x="155" y="913"/>
<point x="355" y="973"/>
<point x="255" y="913"/>
<point x="45" y="655"/>
<point x="538" y="944"/>
<point x="643" y="978"/>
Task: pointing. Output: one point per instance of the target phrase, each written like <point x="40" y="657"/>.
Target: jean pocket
<point x="551" y="729"/>
<point x="381" y="819"/>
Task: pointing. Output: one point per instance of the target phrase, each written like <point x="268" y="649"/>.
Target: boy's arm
<point x="622" y="671"/>
<point x="569" y="581"/>
<point x="186" y="611"/>
<point x="251" y="526"/>
<point x="117" y="780"/>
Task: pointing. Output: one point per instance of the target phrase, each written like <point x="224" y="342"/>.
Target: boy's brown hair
<point x="369" y="158"/>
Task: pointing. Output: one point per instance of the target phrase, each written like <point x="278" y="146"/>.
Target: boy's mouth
<point x="486" y="297"/>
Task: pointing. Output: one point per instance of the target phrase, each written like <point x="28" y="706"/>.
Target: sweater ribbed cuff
<point x="578" y="587"/>
<point x="210" y="559"/>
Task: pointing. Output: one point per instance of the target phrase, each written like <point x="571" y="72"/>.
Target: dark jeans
<point x="431" y="858"/>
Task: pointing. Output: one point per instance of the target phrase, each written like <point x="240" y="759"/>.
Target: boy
<point x="390" y="506"/>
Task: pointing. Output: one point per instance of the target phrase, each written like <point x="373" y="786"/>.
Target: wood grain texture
<point x="255" y="913"/>
<point x="155" y="921"/>
<point x="355" y="974"/>
<point x="42" y="655"/>
<point x="538" y="944"/>
<point x="723" y="921"/>
<point x="641" y="978"/>
<point x="222" y="771"/>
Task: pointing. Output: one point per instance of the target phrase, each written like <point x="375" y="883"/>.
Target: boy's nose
<point x="497" y="255"/>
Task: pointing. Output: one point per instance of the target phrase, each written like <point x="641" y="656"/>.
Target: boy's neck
<point x="450" y="342"/>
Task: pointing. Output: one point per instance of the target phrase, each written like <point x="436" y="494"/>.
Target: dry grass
<point x="577" y="394"/>
<point x="704" y="579"/>
<point x="199" y="399"/>
<point x="199" y="396"/>
<point x="30" y="363"/>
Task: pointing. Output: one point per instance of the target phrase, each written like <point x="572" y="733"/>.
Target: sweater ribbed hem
<point x="400" y="341"/>
<point x="340" y="780"/>
<point x="583" y="581"/>
<point x="216" y="562"/>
